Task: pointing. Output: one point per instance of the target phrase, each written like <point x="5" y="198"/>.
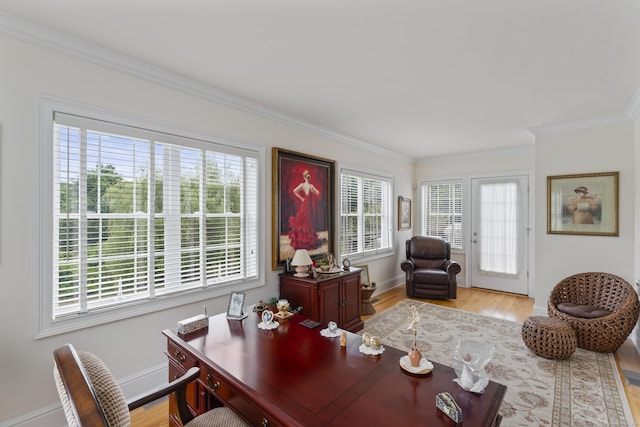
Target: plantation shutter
<point x="366" y="214"/>
<point x="442" y="207"/>
<point x="134" y="208"/>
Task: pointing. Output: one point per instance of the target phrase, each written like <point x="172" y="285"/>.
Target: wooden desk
<point x="293" y="376"/>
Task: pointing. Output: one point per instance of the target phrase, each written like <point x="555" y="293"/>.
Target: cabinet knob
<point x="180" y="357"/>
<point x="265" y="422"/>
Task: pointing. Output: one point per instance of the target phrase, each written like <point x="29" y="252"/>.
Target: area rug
<point x="584" y="390"/>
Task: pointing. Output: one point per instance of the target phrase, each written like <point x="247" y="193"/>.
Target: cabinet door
<point x="351" y="303"/>
<point x="329" y="294"/>
<point x="301" y="293"/>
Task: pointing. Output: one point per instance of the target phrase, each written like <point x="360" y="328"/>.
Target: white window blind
<point x="138" y="214"/>
<point x="366" y="213"/>
<point x="442" y="208"/>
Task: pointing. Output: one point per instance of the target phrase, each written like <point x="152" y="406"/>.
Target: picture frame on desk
<point x="235" y="311"/>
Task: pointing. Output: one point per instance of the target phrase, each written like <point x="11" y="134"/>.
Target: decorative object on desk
<point x="343" y="339"/>
<point x="331" y="331"/>
<point x="273" y="301"/>
<point x="194" y="323"/>
<point x="469" y="361"/>
<point x="260" y="307"/>
<point x="446" y="403"/>
<point x="283" y="309"/>
<point x="301" y="261"/>
<point x="236" y="306"/>
<point x="267" y="320"/>
<point x="371" y="344"/>
<point x="423" y="368"/>
<point x="415" y="356"/>
<point x="346" y="264"/>
<point x="308" y="323"/>
<point x="364" y="275"/>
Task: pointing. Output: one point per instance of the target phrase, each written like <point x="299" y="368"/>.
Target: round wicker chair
<point x="603" y="334"/>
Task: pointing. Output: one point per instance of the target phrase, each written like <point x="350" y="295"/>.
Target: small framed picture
<point x="404" y="213"/>
<point x="236" y="306"/>
<point x="364" y="275"/>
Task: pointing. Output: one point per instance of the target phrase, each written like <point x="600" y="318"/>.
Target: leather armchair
<point x="430" y="272"/>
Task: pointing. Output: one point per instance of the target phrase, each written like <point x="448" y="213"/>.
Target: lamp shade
<point x="301" y="260"/>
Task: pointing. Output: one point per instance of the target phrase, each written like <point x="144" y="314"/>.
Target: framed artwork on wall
<point x="303" y="192"/>
<point x="404" y="213"/>
<point x="583" y="204"/>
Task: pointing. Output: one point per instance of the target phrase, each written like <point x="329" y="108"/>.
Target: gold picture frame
<point x="583" y="204"/>
<point x="299" y="221"/>
<point x="404" y="213"/>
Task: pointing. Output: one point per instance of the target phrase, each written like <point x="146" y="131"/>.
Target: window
<point x="442" y="208"/>
<point x="366" y="214"/>
<point x="139" y="216"/>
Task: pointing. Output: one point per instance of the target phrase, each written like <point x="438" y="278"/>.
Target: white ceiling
<point x="421" y="78"/>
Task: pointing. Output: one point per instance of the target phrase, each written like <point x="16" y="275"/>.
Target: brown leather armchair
<point x="430" y="271"/>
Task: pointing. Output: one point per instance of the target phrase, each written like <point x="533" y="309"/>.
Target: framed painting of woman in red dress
<point x="303" y="189"/>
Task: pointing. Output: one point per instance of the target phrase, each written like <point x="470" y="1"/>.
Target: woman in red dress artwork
<point x="302" y="232"/>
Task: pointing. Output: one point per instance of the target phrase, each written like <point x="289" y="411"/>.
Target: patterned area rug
<point x="585" y="390"/>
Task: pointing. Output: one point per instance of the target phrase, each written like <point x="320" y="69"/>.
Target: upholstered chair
<point x="91" y="396"/>
<point x="430" y="272"/>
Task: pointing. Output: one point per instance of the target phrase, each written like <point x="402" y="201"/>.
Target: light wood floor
<point x="489" y="303"/>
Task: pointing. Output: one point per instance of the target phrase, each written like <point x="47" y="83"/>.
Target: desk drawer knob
<point x="215" y="386"/>
<point x="265" y="422"/>
<point x="180" y="357"/>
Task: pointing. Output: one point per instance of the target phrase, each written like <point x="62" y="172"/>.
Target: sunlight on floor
<point x="499" y="314"/>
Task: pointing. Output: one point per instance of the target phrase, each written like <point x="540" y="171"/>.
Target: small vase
<point x="414" y="357"/>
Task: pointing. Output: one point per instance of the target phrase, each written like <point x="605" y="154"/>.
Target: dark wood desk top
<point x="302" y="378"/>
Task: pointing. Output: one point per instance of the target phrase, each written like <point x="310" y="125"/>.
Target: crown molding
<point x="578" y="125"/>
<point x="47" y="38"/>
<point x="521" y="149"/>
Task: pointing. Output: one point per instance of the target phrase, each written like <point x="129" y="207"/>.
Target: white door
<point x="499" y="233"/>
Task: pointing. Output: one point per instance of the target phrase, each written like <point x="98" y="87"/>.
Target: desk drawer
<point x="180" y="357"/>
<point x="228" y="396"/>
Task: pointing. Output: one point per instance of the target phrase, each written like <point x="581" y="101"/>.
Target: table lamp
<point x="301" y="261"/>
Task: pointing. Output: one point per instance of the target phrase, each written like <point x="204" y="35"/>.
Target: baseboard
<point x="53" y="415"/>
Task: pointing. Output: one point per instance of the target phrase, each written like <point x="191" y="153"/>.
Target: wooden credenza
<point x="329" y="297"/>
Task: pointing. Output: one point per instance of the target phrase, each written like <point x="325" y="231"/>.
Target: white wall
<point x="599" y="149"/>
<point x="129" y="346"/>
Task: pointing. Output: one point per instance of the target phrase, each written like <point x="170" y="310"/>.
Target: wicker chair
<point x="603" y="334"/>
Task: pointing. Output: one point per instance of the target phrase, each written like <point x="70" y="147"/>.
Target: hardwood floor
<point x="480" y="301"/>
